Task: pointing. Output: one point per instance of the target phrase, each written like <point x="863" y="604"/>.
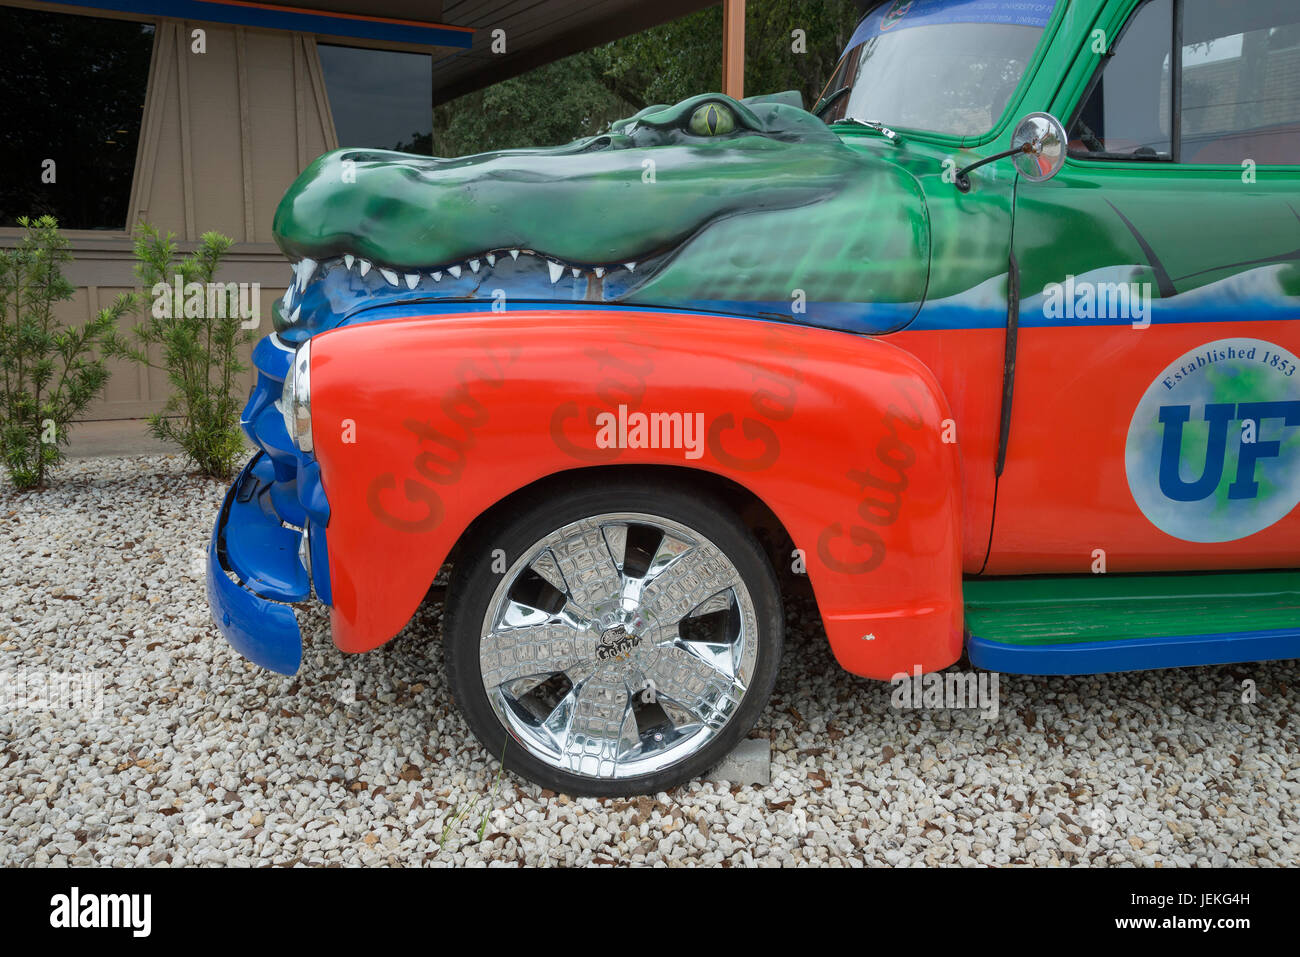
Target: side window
<point x="1241" y="82"/>
<point x="1126" y="115"/>
<point x="1198" y="81"/>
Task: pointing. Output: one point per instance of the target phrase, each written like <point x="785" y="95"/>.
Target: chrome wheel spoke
<point x="686" y="582"/>
<point x="583" y="558"/>
<point x="616" y="541"/>
<point x="718" y="603"/>
<point x="530" y="643"/>
<point x="595" y="725"/>
<point x="720" y="656"/>
<point x="522" y="652"/>
<point x="670" y="549"/>
<point x="548" y="569"/>
<point x="698" y="680"/>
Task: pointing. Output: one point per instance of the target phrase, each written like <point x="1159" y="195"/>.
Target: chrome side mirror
<point x="1037" y="149"/>
<point x="1039" y="142"/>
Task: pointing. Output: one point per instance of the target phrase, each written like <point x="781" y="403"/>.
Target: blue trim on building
<point x="283" y="18"/>
<point x="1134" y="654"/>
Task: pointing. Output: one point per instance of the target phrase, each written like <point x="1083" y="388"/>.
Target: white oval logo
<point x="1213" y="450"/>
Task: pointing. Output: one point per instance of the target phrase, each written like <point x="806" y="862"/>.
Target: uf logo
<point x="1213" y="449"/>
<point x="1219" y="415"/>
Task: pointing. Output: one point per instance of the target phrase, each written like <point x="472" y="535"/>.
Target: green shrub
<point x="197" y="346"/>
<point x="48" y="375"/>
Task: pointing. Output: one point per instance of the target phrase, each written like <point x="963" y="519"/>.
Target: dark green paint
<point x="1049" y="610"/>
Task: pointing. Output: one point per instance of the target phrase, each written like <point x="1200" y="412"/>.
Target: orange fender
<point x="422" y="424"/>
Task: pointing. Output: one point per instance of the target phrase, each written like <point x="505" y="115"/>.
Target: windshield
<point x="946" y="66"/>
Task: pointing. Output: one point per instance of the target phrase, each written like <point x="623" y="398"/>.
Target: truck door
<point x="1156" y="415"/>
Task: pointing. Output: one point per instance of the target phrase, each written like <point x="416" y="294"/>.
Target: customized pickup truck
<point x="996" y="344"/>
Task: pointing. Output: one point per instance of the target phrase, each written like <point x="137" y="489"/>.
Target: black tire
<point x="527" y="522"/>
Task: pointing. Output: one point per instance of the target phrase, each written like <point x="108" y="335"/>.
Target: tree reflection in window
<point x="381" y="99"/>
<point x="72" y="91"/>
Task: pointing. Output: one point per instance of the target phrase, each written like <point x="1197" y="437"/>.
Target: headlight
<point x="295" y="399"/>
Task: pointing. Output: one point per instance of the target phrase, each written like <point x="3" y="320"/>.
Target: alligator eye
<point x="712" y="119"/>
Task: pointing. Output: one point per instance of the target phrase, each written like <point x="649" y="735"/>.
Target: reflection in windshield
<point x="945" y="66"/>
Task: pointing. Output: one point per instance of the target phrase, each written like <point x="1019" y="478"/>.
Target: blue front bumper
<point x="262" y="630"/>
<point x="271" y="530"/>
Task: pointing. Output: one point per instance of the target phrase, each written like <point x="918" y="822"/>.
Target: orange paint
<point x="1065" y="491"/>
<point x="839" y="435"/>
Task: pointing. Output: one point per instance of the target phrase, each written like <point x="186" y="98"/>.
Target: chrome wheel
<point x="618" y="645"/>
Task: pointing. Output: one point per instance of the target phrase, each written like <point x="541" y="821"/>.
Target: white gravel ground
<point x="198" y="757"/>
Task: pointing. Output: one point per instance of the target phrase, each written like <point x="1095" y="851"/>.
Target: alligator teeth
<point x="293" y="316"/>
<point x="303" y="270"/>
<point x="288" y="296"/>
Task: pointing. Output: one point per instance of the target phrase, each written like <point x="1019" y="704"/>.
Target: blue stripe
<point x="905" y="14"/>
<point x="872" y="319"/>
<point x="302" y="22"/>
<point x="1134" y="654"/>
<point x="1168" y="312"/>
<point x="406" y="310"/>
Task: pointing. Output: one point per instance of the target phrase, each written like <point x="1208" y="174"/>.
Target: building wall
<point x="224" y="133"/>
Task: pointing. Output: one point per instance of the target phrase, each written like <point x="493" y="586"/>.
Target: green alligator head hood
<point x="752" y="207"/>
